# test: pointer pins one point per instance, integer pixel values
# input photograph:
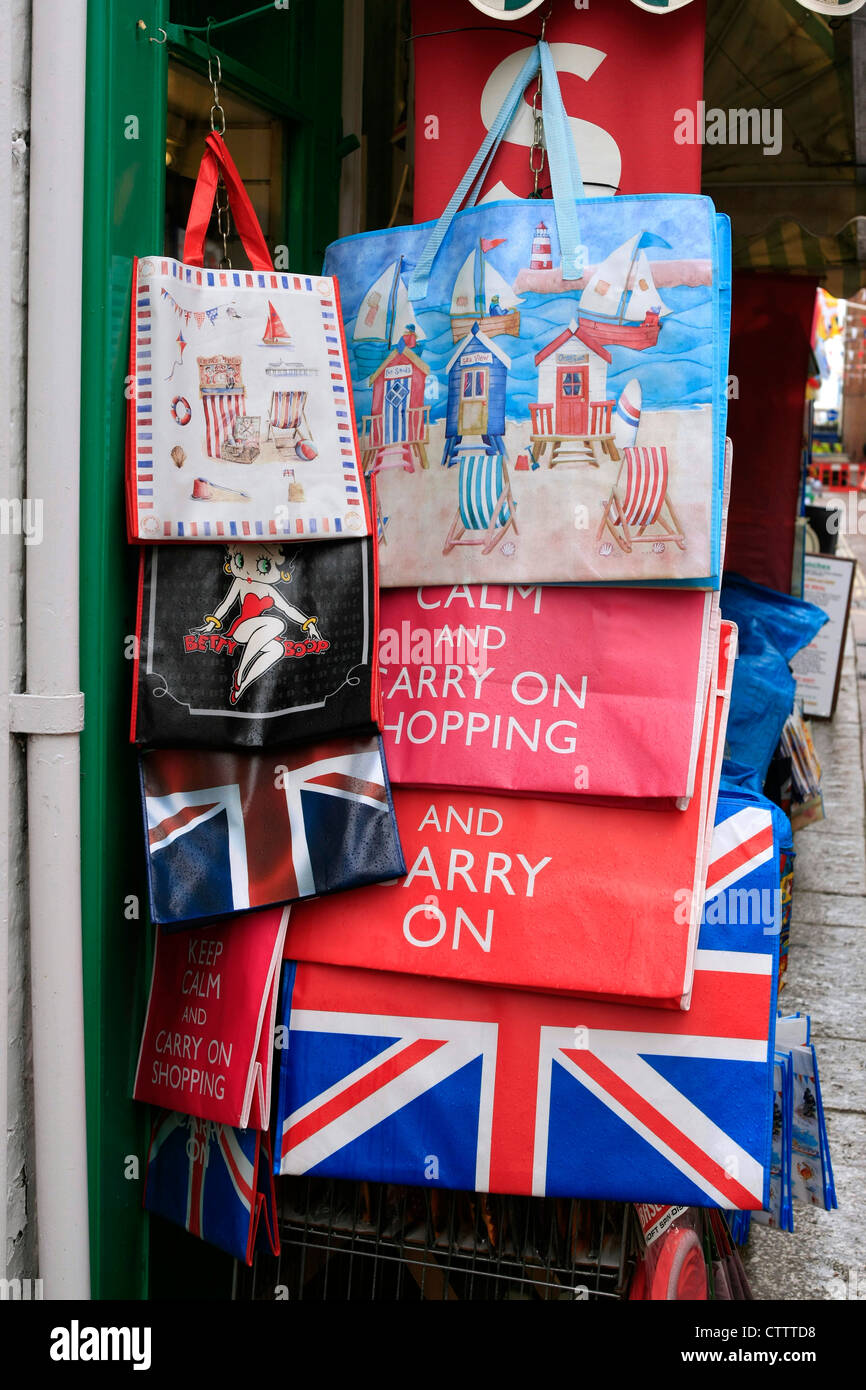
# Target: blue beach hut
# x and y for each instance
(477, 376)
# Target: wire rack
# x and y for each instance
(379, 1242)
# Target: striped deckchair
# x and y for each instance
(639, 500)
(287, 417)
(485, 503)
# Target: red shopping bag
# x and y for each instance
(553, 691)
(207, 1046)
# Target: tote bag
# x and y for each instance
(215, 1181)
(540, 385)
(240, 417)
(254, 644)
(526, 1092)
(207, 1043)
(230, 831)
(546, 689)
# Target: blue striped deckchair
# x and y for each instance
(485, 503)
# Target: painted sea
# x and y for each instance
(682, 372)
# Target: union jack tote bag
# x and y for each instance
(540, 384)
(392, 1077)
(215, 1181)
(240, 422)
(254, 643)
(225, 832)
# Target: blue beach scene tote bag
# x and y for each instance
(540, 384)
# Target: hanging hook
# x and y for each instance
(161, 41)
(544, 18)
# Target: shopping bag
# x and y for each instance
(255, 644)
(554, 691)
(240, 422)
(442, 1083)
(225, 832)
(207, 1044)
(539, 894)
(215, 1181)
(540, 385)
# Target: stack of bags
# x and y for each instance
(257, 702)
(568, 987)
(572, 991)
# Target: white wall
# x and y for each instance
(16, 1124)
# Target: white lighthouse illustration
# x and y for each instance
(541, 255)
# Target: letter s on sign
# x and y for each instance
(598, 152)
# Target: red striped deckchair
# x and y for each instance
(639, 509)
(287, 416)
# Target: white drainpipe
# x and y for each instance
(51, 712)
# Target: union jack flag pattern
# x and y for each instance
(403, 1079)
(231, 831)
(215, 1181)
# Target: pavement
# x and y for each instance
(825, 1256)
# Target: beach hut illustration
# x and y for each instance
(571, 420)
(223, 399)
(287, 419)
(638, 510)
(485, 505)
(397, 430)
(477, 375)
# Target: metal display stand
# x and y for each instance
(361, 1241)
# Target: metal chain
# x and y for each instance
(218, 126)
(536, 149)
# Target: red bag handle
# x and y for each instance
(215, 160)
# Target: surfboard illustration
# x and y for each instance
(626, 416)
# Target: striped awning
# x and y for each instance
(839, 261)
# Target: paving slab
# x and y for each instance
(825, 1256)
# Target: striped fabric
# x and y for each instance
(287, 409)
(221, 409)
(480, 486)
(789, 246)
(646, 484)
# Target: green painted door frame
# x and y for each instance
(290, 63)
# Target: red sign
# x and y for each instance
(536, 894)
(207, 1046)
(613, 59)
(557, 691)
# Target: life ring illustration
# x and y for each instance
(180, 410)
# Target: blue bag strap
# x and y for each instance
(420, 277)
(565, 177)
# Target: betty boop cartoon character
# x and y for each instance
(264, 614)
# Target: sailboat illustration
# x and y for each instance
(620, 305)
(274, 330)
(481, 295)
(384, 317)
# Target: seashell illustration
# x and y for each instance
(179, 456)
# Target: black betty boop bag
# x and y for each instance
(255, 644)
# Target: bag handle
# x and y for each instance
(565, 177)
(215, 160)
